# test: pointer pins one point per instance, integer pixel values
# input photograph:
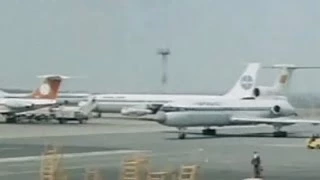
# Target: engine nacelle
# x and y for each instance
(265, 91)
(276, 109)
(141, 110)
(30, 106)
(132, 111)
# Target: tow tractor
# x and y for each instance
(313, 142)
(80, 113)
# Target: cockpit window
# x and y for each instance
(170, 109)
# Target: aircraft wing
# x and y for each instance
(17, 104)
(281, 120)
(4, 111)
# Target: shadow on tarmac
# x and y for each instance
(291, 135)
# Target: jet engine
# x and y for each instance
(265, 91)
(141, 111)
(29, 106)
(132, 111)
(275, 109)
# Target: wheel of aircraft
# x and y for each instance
(11, 119)
(279, 133)
(208, 131)
(182, 133)
(61, 121)
(82, 121)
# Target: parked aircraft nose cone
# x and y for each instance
(161, 117)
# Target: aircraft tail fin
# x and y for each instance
(246, 83)
(3, 93)
(282, 82)
(49, 88)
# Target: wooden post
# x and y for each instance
(158, 176)
(134, 168)
(189, 172)
(93, 174)
(51, 165)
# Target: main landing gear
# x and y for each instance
(207, 131)
(279, 133)
(213, 132)
(182, 133)
(11, 120)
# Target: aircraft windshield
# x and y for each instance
(170, 109)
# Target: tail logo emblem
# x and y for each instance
(246, 82)
(44, 89)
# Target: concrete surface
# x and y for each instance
(103, 143)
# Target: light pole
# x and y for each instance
(164, 53)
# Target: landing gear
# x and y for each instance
(182, 133)
(208, 131)
(279, 133)
(84, 120)
(61, 121)
(11, 120)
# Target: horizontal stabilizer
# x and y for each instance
(289, 66)
(280, 120)
(53, 76)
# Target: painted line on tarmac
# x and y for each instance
(98, 164)
(84, 160)
(286, 145)
(82, 134)
(120, 130)
(10, 173)
(11, 149)
(71, 155)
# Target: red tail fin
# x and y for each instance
(49, 88)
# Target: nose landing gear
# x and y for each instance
(182, 133)
(279, 133)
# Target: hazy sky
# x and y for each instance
(112, 43)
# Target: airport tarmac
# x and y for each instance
(103, 143)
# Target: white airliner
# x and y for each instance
(228, 112)
(62, 98)
(44, 96)
(72, 98)
(134, 104)
(280, 87)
